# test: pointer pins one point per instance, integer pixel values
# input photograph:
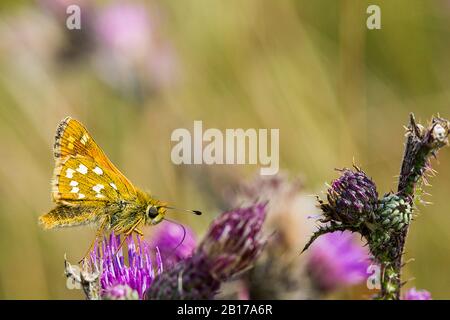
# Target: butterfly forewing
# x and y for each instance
(72, 139)
(80, 180)
(83, 174)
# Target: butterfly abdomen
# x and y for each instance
(66, 216)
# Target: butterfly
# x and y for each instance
(87, 188)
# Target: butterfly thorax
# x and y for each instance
(127, 215)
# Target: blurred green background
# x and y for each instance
(337, 91)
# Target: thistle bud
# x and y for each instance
(351, 198)
(394, 212)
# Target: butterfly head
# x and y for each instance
(155, 213)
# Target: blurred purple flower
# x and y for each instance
(337, 260)
(231, 245)
(138, 273)
(413, 294)
(168, 239)
(124, 28)
(132, 54)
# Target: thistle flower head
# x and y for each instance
(413, 294)
(231, 245)
(337, 260)
(120, 292)
(137, 273)
(234, 240)
(350, 197)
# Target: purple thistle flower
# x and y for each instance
(234, 240)
(413, 294)
(138, 273)
(231, 245)
(352, 196)
(336, 260)
(169, 239)
(120, 292)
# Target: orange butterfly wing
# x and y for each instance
(83, 173)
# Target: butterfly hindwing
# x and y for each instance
(67, 216)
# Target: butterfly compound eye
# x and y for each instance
(152, 212)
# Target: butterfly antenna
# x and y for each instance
(196, 212)
(182, 239)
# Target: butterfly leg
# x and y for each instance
(98, 234)
(130, 231)
(139, 234)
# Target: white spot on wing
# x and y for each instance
(98, 195)
(81, 196)
(82, 169)
(98, 171)
(69, 173)
(73, 183)
(98, 188)
(75, 190)
(113, 186)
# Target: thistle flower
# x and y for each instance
(351, 198)
(175, 242)
(232, 244)
(413, 294)
(138, 274)
(234, 240)
(120, 292)
(337, 260)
